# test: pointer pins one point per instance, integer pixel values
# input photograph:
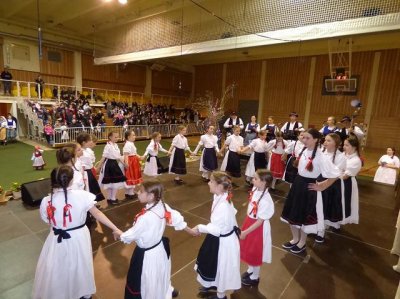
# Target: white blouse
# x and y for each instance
(180, 141)
(234, 142)
(280, 149)
(258, 145)
(294, 148)
(321, 165)
(265, 208)
(291, 126)
(388, 159)
(223, 217)
(129, 148)
(208, 141)
(353, 164)
(154, 152)
(112, 151)
(88, 158)
(149, 227)
(340, 159)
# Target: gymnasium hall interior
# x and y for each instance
(101, 66)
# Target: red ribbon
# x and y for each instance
(229, 197)
(155, 146)
(309, 163)
(254, 210)
(50, 213)
(168, 218)
(67, 213)
(250, 195)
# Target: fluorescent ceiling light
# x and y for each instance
(123, 1)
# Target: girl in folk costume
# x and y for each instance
(291, 153)
(69, 155)
(218, 261)
(350, 200)
(251, 130)
(153, 166)
(37, 158)
(149, 274)
(133, 171)
(330, 126)
(65, 266)
(271, 129)
(111, 174)
(231, 162)
(303, 206)
(258, 158)
(177, 162)
(256, 244)
(208, 160)
(332, 196)
(276, 165)
(88, 158)
(388, 167)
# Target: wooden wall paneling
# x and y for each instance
(246, 77)
(65, 68)
(208, 78)
(323, 106)
(166, 82)
(385, 122)
(286, 84)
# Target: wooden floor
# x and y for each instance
(355, 263)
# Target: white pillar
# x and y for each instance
(147, 88)
(78, 70)
(261, 93)
(309, 92)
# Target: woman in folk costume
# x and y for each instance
(251, 130)
(258, 158)
(112, 175)
(65, 266)
(332, 196)
(218, 261)
(303, 209)
(276, 165)
(255, 239)
(389, 165)
(153, 166)
(37, 158)
(177, 162)
(149, 274)
(69, 155)
(208, 160)
(291, 153)
(231, 162)
(350, 200)
(330, 126)
(271, 129)
(88, 158)
(133, 172)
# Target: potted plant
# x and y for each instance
(2, 195)
(16, 190)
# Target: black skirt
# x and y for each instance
(112, 172)
(300, 204)
(210, 162)
(332, 201)
(233, 164)
(133, 280)
(348, 187)
(207, 259)
(94, 185)
(162, 165)
(291, 171)
(260, 161)
(179, 162)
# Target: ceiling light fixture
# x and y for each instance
(123, 2)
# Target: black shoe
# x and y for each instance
(246, 274)
(288, 245)
(134, 196)
(207, 290)
(247, 281)
(86, 298)
(178, 182)
(175, 293)
(319, 239)
(128, 197)
(205, 179)
(297, 249)
(216, 297)
(113, 202)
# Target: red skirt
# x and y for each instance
(133, 173)
(251, 248)
(277, 167)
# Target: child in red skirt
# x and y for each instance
(255, 239)
(276, 165)
(133, 171)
